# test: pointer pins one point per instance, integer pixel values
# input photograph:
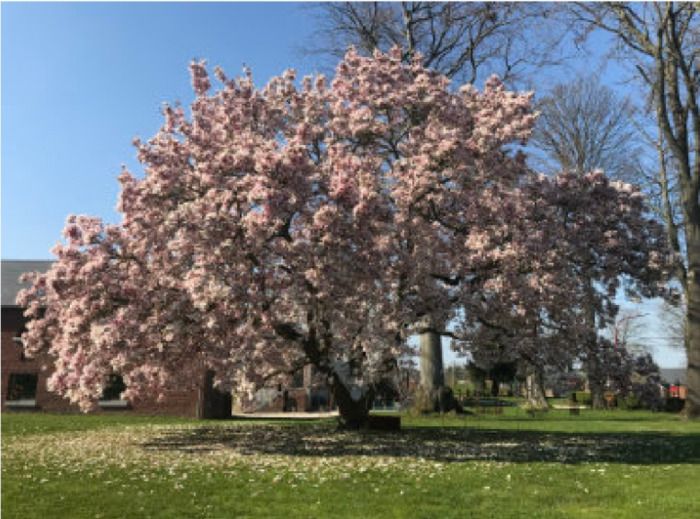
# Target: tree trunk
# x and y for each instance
(495, 386)
(534, 390)
(597, 394)
(593, 369)
(672, 112)
(432, 376)
(354, 412)
(667, 207)
(689, 278)
(692, 215)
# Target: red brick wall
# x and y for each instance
(176, 403)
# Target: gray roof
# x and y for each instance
(12, 270)
(673, 375)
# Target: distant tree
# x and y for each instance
(583, 126)
(645, 383)
(540, 308)
(675, 322)
(476, 376)
(625, 332)
(635, 378)
(502, 373)
(607, 370)
(497, 362)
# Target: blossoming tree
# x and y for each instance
(316, 223)
(538, 303)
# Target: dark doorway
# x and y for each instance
(215, 403)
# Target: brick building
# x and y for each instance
(24, 379)
(675, 382)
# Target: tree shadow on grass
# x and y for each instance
(444, 444)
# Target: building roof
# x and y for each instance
(12, 270)
(673, 375)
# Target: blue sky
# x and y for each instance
(80, 81)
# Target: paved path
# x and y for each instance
(282, 416)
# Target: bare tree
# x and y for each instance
(662, 40)
(463, 40)
(626, 333)
(584, 126)
(674, 319)
(658, 176)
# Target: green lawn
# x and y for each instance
(599, 464)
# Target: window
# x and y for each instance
(298, 378)
(18, 341)
(111, 396)
(21, 390)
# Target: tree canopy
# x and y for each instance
(325, 222)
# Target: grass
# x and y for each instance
(599, 464)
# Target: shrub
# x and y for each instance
(629, 402)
